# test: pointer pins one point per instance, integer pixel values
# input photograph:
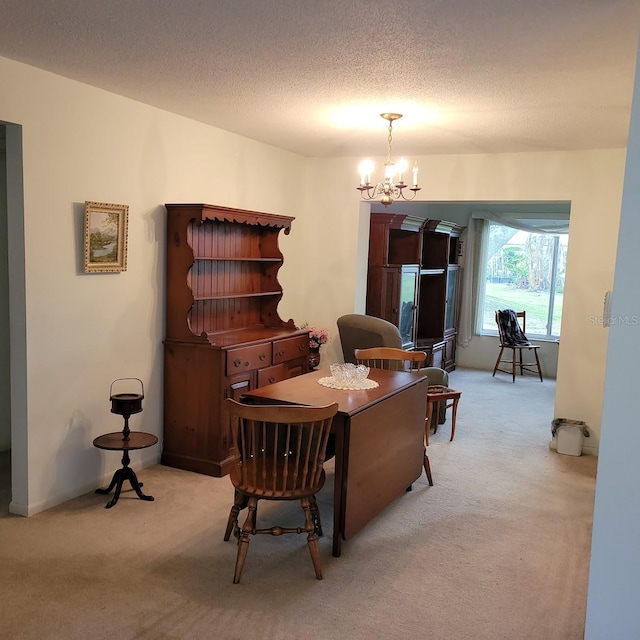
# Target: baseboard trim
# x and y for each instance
(147, 459)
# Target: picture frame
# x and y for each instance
(105, 237)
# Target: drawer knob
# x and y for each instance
(271, 379)
(300, 347)
(280, 353)
(237, 362)
(262, 356)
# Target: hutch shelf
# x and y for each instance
(224, 336)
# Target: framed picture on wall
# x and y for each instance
(105, 237)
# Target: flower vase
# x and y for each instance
(314, 357)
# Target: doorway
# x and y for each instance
(5, 381)
(481, 351)
(13, 351)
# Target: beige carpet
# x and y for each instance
(497, 549)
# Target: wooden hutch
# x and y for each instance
(224, 336)
(413, 281)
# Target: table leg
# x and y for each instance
(125, 473)
(427, 422)
(453, 418)
(339, 488)
(435, 416)
(427, 467)
(116, 481)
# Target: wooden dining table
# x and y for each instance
(379, 439)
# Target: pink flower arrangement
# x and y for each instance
(317, 336)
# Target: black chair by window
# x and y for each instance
(513, 338)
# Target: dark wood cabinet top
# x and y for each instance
(227, 214)
(222, 275)
(246, 336)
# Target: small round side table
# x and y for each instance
(117, 441)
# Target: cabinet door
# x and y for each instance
(383, 293)
(407, 305)
(431, 306)
(239, 384)
(450, 353)
(297, 367)
(438, 355)
(390, 293)
(451, 301)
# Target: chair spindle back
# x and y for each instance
(279, 450)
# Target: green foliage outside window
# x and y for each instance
(521, 271)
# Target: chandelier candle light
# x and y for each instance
(388, 190)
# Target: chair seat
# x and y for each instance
(523, 345)
(281, 483)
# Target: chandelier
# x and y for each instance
(388, 189)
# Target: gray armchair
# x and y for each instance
(358, 331)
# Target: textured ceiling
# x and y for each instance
(470, 76)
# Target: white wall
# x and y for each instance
(5, 401)
(590, 180)
(81, 143)
(614, 579)
(85, 330)
(325, 268)
(17, 312)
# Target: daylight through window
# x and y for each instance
(524, 271)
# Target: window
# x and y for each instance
(524, 271)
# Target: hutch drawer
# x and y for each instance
(290, 348)
(246, 358)
(269, 375)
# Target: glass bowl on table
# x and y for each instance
(349, 375)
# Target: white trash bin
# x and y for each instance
(570, 435)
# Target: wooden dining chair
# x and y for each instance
(390, 358)
(278, 451)
(394, 359)
(512, 327)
